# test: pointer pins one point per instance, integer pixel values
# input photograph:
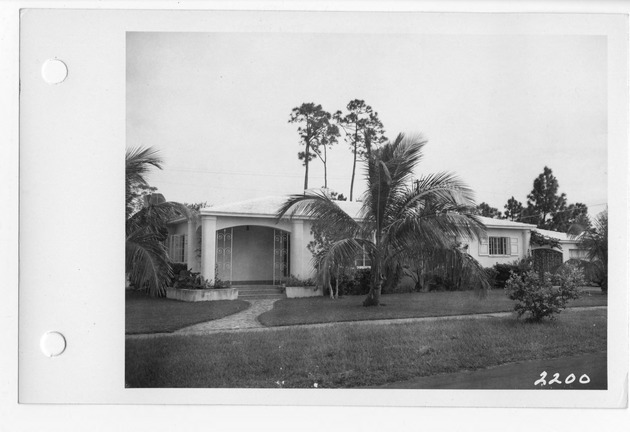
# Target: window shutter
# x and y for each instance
(185, 254)
(483, 246)
(514, 246)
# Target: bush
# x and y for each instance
(177, 268)
(186, 279)
(294, 281)
(492, 276)
(356, 283)
(544, 297)
(503, 271)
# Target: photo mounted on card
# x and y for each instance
(412, 205)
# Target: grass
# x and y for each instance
(144, 314)
(412, 305)
(357, 354)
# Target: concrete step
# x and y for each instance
(259, 291)
(261, 297)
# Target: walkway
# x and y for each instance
(246, 321)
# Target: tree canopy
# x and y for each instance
(316, 134)
(398, 223)
(364, 132)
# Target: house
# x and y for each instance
(247, 245)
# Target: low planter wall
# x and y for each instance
(301, 291)
(194, 295)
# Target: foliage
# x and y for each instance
(364, 131)
(356, 282)
(447, 269)
(485, 210)
(538, 239)
(513, 209)
(570, 217)
(146, 258)
(138, 162)
(197, 206)
(594, 241)
(492, 275)
(538, 297)
(177, 268)
(548, 210)
(316, 134)
(187, 279)
(294, 281)
(337, 196)
(543, 201)
(502, 272)
(397, 223)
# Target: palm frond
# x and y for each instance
(342, 254)
(318, 206)
(146, 262)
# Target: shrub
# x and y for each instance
(503, 271)
(186, 279)
(542, 298)
(355, 283)
(177, 268)
(294, 281)
(492, 276)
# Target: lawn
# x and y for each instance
(413, 305)
(355, 354)
(144, 314)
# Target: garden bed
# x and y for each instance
(199, 295)
(304, 291)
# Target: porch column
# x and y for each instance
(192, 246)
(208, 246)
(297, 248)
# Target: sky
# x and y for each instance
(495, 109)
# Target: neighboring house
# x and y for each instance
(248, 245)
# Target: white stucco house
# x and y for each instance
(243, 243)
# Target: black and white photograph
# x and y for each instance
(325, 210)
(346, 216)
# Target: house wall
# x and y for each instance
(519, 245)
(178, 228)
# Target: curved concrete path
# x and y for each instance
(247, 320)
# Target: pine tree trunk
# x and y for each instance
(306, 165)
(325, 169)
(354, 167)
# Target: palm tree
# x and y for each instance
(399, 223)
(594, 240)
(147, 214)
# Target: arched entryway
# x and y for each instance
(252, 254)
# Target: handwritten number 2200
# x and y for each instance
(584, 379)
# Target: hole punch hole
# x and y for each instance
(52, 344)
(54, 71)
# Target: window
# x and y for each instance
(578, 254)
(363, 259)
(498, 246)
(177, 246)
